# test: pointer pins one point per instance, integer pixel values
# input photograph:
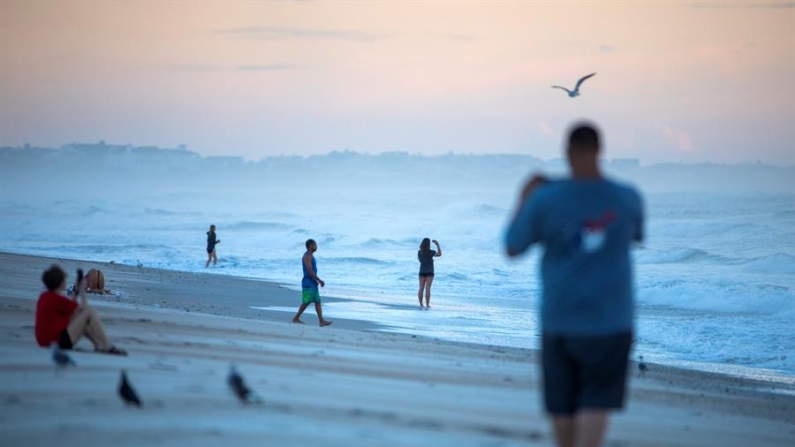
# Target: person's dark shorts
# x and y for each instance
(425, 275)
(584, 372)
(210, 250)
(64, 340)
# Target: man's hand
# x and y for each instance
(320, 281)
(535, 181)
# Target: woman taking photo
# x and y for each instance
(425, 255)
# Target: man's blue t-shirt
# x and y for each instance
(586, 228)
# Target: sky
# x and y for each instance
(676, 81)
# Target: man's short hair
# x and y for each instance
(309, 242)
(53, 277)
(584, 136)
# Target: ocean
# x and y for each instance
(715, 278)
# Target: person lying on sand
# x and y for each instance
(62, 321)
(95, 283)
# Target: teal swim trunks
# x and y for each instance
(310, 295)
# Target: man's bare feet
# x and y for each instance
(297, 321)
(325, 323)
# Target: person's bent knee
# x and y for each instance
(88, 311)
(82, 310)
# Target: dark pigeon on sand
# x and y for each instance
(642, 367)
(239, 388)
(60, 358)
(127, 393)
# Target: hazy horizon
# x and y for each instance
(556, 159)
(699, 82)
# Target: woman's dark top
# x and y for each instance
(426, 261)
(211, 241)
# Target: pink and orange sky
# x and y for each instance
(677, 81)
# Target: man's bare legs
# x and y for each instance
(422, 287)
(591, 426)
(318, 309)
(85, 321)
(564, 430)
(428, 282)
(301, 309)
(586, 429)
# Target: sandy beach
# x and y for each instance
(344, 385)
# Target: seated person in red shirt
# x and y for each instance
(63, 321)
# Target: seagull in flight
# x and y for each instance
(576, 92)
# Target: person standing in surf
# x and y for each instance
(425, 255)
(309, 285)
(212, 241)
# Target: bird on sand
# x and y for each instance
(239, 388)
(576, 92)
(126, 391)
(60, 358)
(642, 367)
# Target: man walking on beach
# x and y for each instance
(586, 224)
(309, 285)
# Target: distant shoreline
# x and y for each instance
(180, 287)
(349, 384)
(175, 289)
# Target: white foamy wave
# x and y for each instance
(254, 226)
(718, 339)
(776, 263)
(383, 243)
(93, 210)
(686, 230)
(17, 209)
(360, 261)
(163, 212)
(786, 214)
(458, 210)
(676, 255)
(721, 295)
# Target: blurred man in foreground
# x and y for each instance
(586, 224)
